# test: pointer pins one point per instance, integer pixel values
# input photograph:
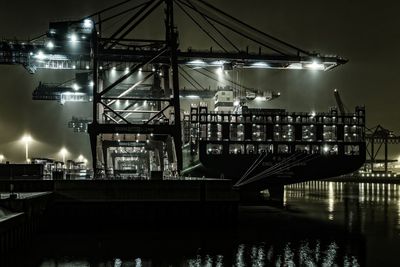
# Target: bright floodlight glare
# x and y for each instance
(50, 45)
(316, 66)
(236, 103)
(87, 23)
(75, 87)
(40, 55)
(63, 151)
(220, 70)
(313, 113)
(73, 38)
(26, 138)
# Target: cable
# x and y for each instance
(192, 78)
(212, 25)
(201, 27)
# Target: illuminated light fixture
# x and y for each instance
(236, 103)
(313, 113)
(326, 149)
(81, 158)
(260, 64)
(153, 69)
(87, 23)
(87, 67)
(295, 66)
(196, 62)
(50, 45)
(31, 53)
(193, 96)
(1, 158)
(218, 63)
(74, 67)
(259, 98)
(114, 68)
(73, 38)
(40, 55)
(91, 84)
(140, 70)
(75, 87)
(83, 37)
(315, 66)
(101, 67)
(145, 103)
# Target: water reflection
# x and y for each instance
(335, 224)
(289, 256)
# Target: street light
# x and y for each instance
(1, 158)
(63, 153)
(27, 139)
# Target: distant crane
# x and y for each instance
(339, 102)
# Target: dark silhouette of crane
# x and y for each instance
(339, 102)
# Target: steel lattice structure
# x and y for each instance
(150, 70)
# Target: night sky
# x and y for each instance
(365, 32)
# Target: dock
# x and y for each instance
(95, 205)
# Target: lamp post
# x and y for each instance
(27, 139)
(63, 153)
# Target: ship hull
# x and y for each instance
(277, 169)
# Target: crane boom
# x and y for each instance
(339, 102)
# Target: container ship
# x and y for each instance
(272, 146)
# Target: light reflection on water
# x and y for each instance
(348, 201)
(304, 254)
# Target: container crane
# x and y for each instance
(82, 45)
(339, 102)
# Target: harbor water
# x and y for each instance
(321, 224)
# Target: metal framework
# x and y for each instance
(147, 72)
(379, 136)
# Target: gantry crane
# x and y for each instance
(147, 72)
